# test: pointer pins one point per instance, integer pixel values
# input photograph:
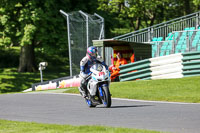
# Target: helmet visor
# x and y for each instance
(94, 54)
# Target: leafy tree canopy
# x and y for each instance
(137, 14)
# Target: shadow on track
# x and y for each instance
(128, 106)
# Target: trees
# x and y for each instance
(19, 28)
(38, 24)
(31, 24)
(143, 13)
(138, 13)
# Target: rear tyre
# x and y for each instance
(106, 99)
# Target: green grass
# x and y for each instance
(32, 127)
(13, 81)
(175, 90)
(179, 90)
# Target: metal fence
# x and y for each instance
(82, 29)
(177, 42)
(163, 29)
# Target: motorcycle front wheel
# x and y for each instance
(106, 98)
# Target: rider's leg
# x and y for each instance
(83, 87)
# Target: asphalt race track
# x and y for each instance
(72, 109)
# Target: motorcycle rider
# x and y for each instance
(85, 64)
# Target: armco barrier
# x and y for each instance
(135, 66)
(139, 74)
(165, 67)
(191, 64)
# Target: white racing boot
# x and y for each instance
(82, 92)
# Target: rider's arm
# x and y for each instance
(83, 65)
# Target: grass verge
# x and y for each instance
(32, 127)
(175, 90)
(13, 81)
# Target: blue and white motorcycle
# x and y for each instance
(98, 87)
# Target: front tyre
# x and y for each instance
(106, 99)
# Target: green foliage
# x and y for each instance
(50, 32)
(196, 3)
(29, 31)
(32, 22)
(132, 11)
(139, 14)
(36, 23)
(39, 22)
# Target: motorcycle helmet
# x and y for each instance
(92, 52)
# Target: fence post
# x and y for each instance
(69, 40)
(87, 27)
(151, 34)
(101, 36)
(188, 43)
(197, 21)
(158, 49)
(173, 44)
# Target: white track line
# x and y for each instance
(146, 101)
(122, 99)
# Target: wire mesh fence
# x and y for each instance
(82, 29)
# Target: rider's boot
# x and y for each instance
(82, 91)
(95, 100)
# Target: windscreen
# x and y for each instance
(97, 67)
